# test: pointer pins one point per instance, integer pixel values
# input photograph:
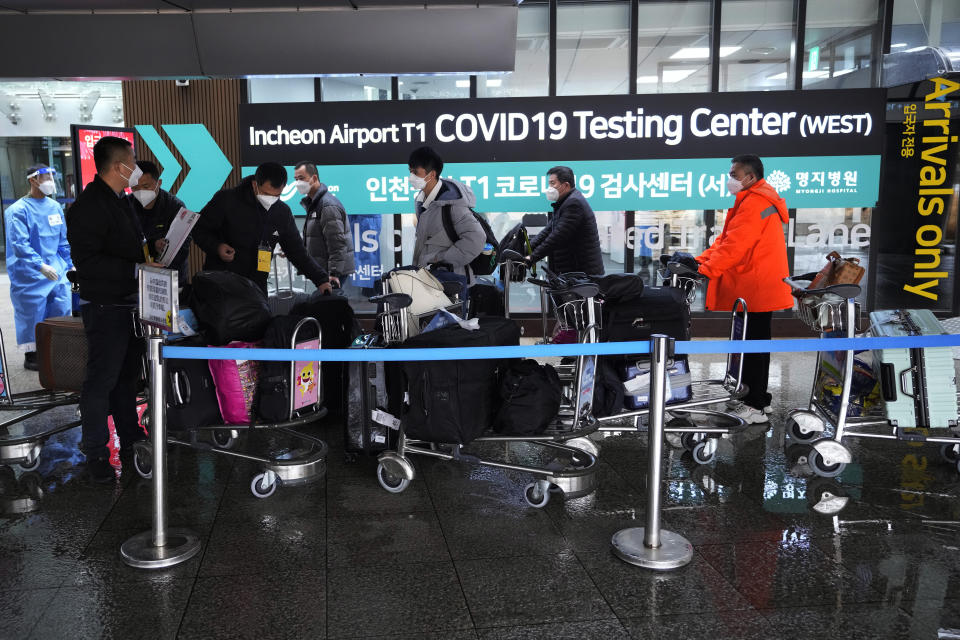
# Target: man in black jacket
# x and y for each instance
(239, 228)
(570, 240)
(156, 208)
(107, 245)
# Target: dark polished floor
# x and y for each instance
(459, 554)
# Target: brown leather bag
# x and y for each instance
(838, 271)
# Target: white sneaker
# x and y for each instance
(749, 414)
(733, 405)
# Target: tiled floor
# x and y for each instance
(459, 554)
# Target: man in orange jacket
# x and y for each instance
(749, 261)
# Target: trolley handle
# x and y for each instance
(683, 271)
(845, 291)
(509, 255)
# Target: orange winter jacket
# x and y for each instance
(749, 259)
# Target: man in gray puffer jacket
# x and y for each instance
(434, 244)
(326, 231)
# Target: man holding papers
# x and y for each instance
(156, 209)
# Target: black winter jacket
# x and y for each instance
(234, 216)
(570, 240)
(106, 244)
(327, 233)
(155, 223)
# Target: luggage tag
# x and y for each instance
(264, 256)
(382, 417)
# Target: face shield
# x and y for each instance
(46, 180)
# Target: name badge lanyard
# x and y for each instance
(264, 251)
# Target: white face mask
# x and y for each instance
(734, 186)
(145, 196)
(47, 188)
(303, 187)
(135, 174)
(267, 201)
(552, 194)
(417, 182)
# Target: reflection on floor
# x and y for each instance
(460, 555)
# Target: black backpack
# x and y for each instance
(485, 263)
(273, 386)
(530, 395)
(229, 307)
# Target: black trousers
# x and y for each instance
(114, 355)
(756, 366)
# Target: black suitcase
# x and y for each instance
(191, 394)
(455, 401)
(338, 328)
(273, 384)
(657, 310)
(367, 420)
(486, 300)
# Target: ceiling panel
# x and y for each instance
(84, 5)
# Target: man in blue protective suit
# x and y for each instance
(38, 258)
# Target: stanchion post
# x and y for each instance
(652, 547)
(160, 547)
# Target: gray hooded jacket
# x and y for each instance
(433, 244)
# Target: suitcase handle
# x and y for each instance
(903, 383)
(180, 391)
(888, 382)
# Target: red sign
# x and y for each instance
(83, 140)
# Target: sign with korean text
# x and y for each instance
(158, 297)
(84, 139)
(648, 152)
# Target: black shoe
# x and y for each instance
(101, 471)
(30, 361)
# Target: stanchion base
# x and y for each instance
(140, 552)
(674, 550)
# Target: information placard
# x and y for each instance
(158, 297)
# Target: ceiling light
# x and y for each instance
(806, 74)
(899, 45)
(647, 79)
(463, 84)
(694, 53)
(676, 75)
(494, 82)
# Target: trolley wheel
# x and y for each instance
(260, 488)
(389, 481)
(143, 461)
(820, 466)
(690, 440)
(795, 432)
(535, 495)
(702, 454)
(224, 438)
(31, 464)
(948, 452)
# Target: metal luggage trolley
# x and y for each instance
(833, 311)
(699, 440)
(292, 466)
(573, 477)
(22, 439)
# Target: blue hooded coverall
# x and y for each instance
(36, 234)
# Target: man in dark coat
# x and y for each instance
(156, 209)
(570, 240)
(108, 246)
(240, 227)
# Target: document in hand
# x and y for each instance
(179, 230)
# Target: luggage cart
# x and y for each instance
(572, 472)
(700, 440)
(832, 312)
(22, 439)
(291, 466)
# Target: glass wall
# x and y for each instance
(838, 43)
(427, 87)
(531, 74)
(593, 54)
(356, 88)
(280, 90)
(673, 47)
(922, 23)
(755, 41)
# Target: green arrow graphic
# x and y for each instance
(171, 168)
(209, 168)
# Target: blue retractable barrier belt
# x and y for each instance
(557, 350)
